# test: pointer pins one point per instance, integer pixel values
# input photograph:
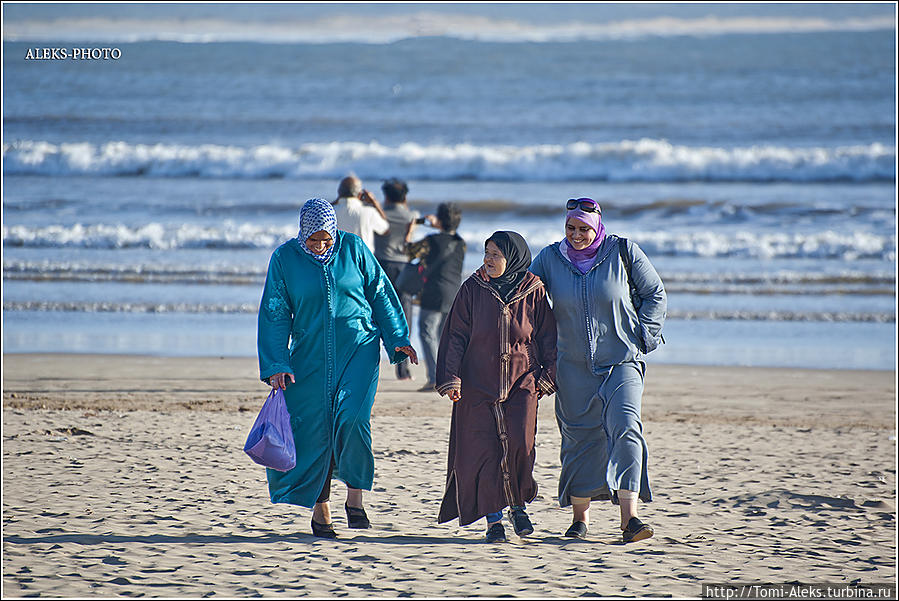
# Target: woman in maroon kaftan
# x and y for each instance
(497, 357)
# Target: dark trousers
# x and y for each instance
(393, 269)
(326, 489)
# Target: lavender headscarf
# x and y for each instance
(583, 259)
(317, 215)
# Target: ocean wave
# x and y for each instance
(155, 236)
(784, 278)
(780, 282)
(66, 271)
(847, 245)
(827, 316)
(383, 29)
(252, 308)
(114, 307)
(645, 160)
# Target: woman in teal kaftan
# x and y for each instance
(325, 304)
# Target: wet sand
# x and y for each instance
(125, 476)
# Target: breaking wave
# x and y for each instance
(645, 160)
(384, 29)
(253, 308)
(232, 235)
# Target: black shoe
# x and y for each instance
(636, 530)
(323, 530)
(520, 522)
(356, 518)
(496, 533)
(577, 530)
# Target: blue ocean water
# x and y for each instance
(753, 160)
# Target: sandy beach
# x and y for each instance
(125, 476)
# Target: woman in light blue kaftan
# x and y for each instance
(325, 304)
(603, 336)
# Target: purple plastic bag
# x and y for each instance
(270, 442)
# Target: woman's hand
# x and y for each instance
(413, 356)
(279, 380)
(454, 395)
(482, 273)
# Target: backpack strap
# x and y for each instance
(626, 259)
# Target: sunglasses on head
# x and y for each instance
(588, 205)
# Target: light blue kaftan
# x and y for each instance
(321, 322)
(602, 340)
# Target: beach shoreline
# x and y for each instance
(702, 393)
(124, 475)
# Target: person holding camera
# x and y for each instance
(359, 212)
(442, 255)
(390, 248)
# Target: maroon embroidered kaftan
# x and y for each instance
(497, 354)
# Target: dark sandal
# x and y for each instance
(323, 530)
(636, 530)
(577, 530)
(356, 518)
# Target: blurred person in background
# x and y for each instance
(390, 248)
(442, 255)
(359, 212)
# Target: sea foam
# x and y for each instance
(749, 243)
(251, 308)
(384, 29)
(644, 160)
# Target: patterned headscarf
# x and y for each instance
(583, 259)
(317, 215)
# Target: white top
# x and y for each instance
(358, 218)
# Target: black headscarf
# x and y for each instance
(518, 259)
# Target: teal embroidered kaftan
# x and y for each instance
(321, 322)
